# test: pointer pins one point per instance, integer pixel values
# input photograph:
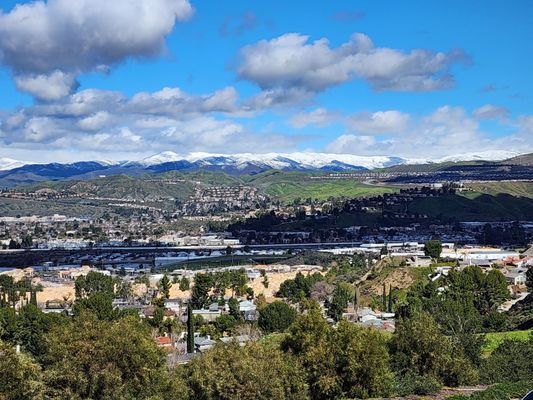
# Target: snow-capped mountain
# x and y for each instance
(299, 161)
(13, 172)
(491, 155)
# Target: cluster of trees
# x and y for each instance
(12, 292)
(211, 287)
(467, 303)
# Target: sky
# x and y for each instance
(126, 79)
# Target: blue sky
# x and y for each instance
(87, 79)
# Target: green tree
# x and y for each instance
(252, 372)
(101, 304)
(346, 362)
(95, 359)
(200, 291)
(165, 285)
(276, 317)
(418, 347)
(433, 248)
(190, 329)
(94, 282)
(361, 361)
(184, 284)
(342, 294)
(20, 376)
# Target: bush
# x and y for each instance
(501, 391)
(416, 384)
(511, 361)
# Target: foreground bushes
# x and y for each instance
(500, 391)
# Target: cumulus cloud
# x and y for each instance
(489, 111)
(389, 121)
(291, 61)
(446, 131)
(47, 87)
(47, 44)
(318, 117)
(110, 122)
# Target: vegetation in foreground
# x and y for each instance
(104, 353)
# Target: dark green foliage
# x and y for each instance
(500, 391)
(200, 290)
(418, 347)
(433, 248)
(184, 284)
(190, 330)
(94, 359)
(94, 282)
(342, 294)
(349, 361)
(276, 317)
(165, 285)
(411, 383)
(101, 304)
(300, 287)
(510, 362)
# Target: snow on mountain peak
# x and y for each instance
(9, 163)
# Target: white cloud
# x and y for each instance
(47, 87)
(389, 121)
(40, 40)
(110, 122)
(318, 117)
(446, 131)
(489, 111)
(291, 61)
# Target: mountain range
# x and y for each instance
(13, 172)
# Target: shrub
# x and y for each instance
(416, 384)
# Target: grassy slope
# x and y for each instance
(287, 186)
(519, 189)
(494, 339)
(475, 207)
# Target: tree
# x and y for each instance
(101, 304)
(229, 371)
(95, 359)
(190, 330)
(20, 376)
(346, 362)
(94, 282)
(200, 290)
(184, 284)
(529, 278)
(361, 361)
(342, 294)
(433, 248)
(165, 285)
(276, 317)
(418, 347)
(234, 308)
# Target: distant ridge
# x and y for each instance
(15, 172)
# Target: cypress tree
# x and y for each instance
(390, 299)
(384, 305)
(33, 297)
(190, 330)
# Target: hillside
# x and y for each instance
(475, 207)
(524, 159)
